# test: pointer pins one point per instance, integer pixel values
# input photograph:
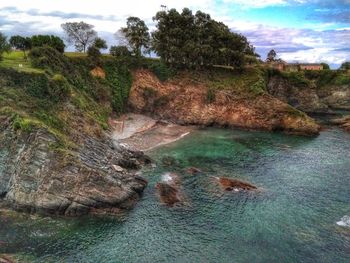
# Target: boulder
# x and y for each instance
(169, 189)
(230, 184)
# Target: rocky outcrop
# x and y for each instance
(310, 98)
(343, 122)
(186, 102)
(37, 177)
(169, 189)
(230, 184)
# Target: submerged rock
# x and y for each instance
(230, 184)
(169, 189)
(193, 170)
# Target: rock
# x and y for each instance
(169, 161)
(310, 98)
(168, 194)
(343, 122)
(117, 168)
(6, 259)
(230, 184)
(193, 170)
(187, 104)
(36, 179)
(169, 189)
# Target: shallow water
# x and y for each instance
(305, 191)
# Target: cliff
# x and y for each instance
(57, 155)
(221, 98)
(319, 91)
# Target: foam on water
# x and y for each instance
(344, 221)
(167, 178)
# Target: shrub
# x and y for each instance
(162, 71)
(119, 79)
(22, 124)
(58, 88)
(50, 59)
(119, 51)
(210, 95)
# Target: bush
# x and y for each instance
(58, 88)
(50, 59)
(119, 51)
(297, 79)
(22, 124)
(210, 95)
(119, 79)
(161, 70)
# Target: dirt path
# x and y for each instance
(143, 133)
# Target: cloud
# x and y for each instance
(312, 43)
(303, 45)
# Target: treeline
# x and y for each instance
(188, 40)
(182, 40)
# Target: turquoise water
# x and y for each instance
(305, 191)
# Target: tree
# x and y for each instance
(345, 65)
(100, 43)
(325, 66)
(194, 41)
(94, 50)
(119, 51)
(48, 40)
(137, 34)
(4, 45)
(21, 43)
(80, 34)
(271, 56)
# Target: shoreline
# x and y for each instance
(142, 133)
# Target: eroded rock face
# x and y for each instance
(310, 98)
(38, 179)
(230, 184)
(185, 102)
(343, 122)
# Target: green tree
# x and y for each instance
(21, 43)
(193, 41)
(119, 51)
(325, 66)
(48, 40)
(4, 45)
(94, 50)
(137, 34)
(271, 56)
(81, 34)
(345, 65)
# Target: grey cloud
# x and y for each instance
(63, 15)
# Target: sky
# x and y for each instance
(298, 30)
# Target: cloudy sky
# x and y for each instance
(299, 30)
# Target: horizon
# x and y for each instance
(305, 31)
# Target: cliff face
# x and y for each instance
(187, 101)
(311, 97)
(36, 178)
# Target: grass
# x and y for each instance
(16, 60)
(250, 82)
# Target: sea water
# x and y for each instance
(304, 192)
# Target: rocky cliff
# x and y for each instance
(310, 95)
(226, 100)
(97, 178)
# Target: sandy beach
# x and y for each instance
(140, 132)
